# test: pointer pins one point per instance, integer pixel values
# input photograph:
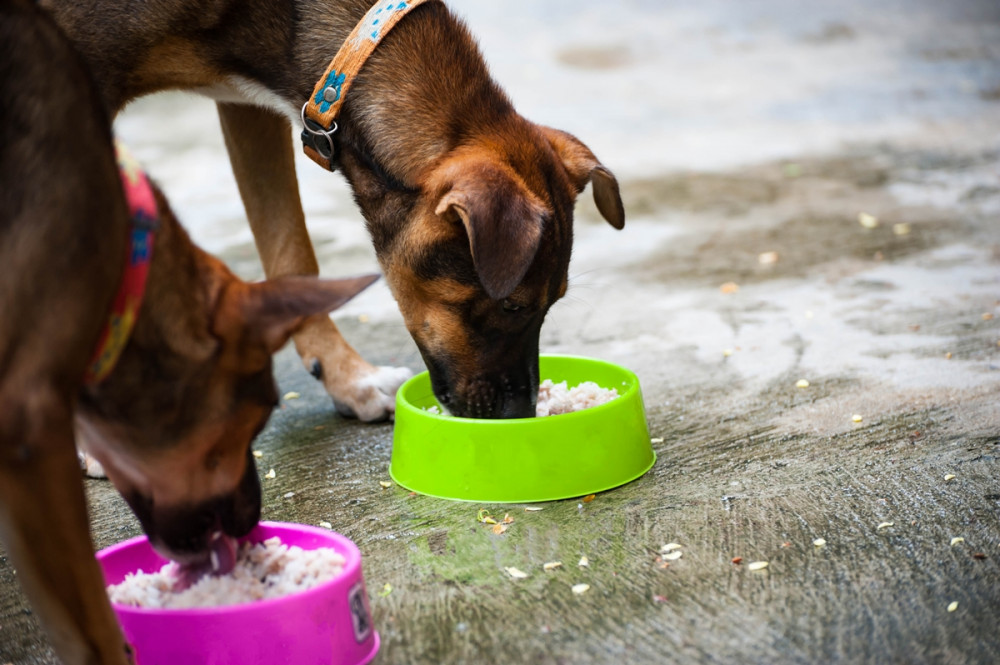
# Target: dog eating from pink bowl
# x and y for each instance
(327, 624)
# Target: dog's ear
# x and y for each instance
(583, 167)
(501, 217)
(270, 311)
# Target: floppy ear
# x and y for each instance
(270, 311)
(502, 218)
(583, 167)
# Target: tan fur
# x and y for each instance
(417, 150)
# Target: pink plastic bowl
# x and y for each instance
(327, 625)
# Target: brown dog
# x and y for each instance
(469, 205)
(173, 421)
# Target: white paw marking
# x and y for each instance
(90, 466)
(380, 389)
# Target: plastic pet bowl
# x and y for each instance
(525, 459)
(329, 624)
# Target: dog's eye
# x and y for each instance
(511, 306)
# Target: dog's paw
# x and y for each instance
(368, 393)
(90, 466)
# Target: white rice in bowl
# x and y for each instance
(556, 398)
(265, 570)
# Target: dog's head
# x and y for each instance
(173, 423)
(484, 258)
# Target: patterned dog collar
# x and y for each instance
(143, 221)
(319, 113)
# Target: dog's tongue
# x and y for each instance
(223, 554)
(221, 560)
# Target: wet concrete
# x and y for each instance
(743, 269)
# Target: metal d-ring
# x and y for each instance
(313, 128)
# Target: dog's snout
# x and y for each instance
(518, 405)
(185, 532)
(490, 399)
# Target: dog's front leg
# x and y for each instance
(43, 526)
(261, 152)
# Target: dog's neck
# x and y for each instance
(169, 331)
(428, 60)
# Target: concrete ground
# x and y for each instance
(748, 138)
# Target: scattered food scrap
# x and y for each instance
(499, 528)
(952, 606)
(362, 318)
(386, 590)
(670, 547)
(979, 555)
(258, 454)
(736, 560)
(516, 573)
(857, 418)
(950, 477)
(584, 562)
(507, 519)
(658, 439)
(727, 352)
(767, 258)
(884, 525)
(581, 588)
(326, 525)
(271, 474)
(801, 383)
(868, 221)
(947, 356)
(757, 565)
(957, 540)
(589, 498)
(659, 599)
(729, 288)
(291, 394)
(988, 316)
(819, 542)
(901, 229)
(673, 556)
(552, 565)
(385, 484)
(289, 495)
(533, 509)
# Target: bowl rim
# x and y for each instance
(344, 546)
(631, 379)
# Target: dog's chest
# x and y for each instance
(240, 90)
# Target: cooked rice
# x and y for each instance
(556, 398)
(265, 570)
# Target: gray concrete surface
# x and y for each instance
(738, 129)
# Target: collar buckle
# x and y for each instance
(317, 140)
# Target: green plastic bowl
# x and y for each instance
(524, 460)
